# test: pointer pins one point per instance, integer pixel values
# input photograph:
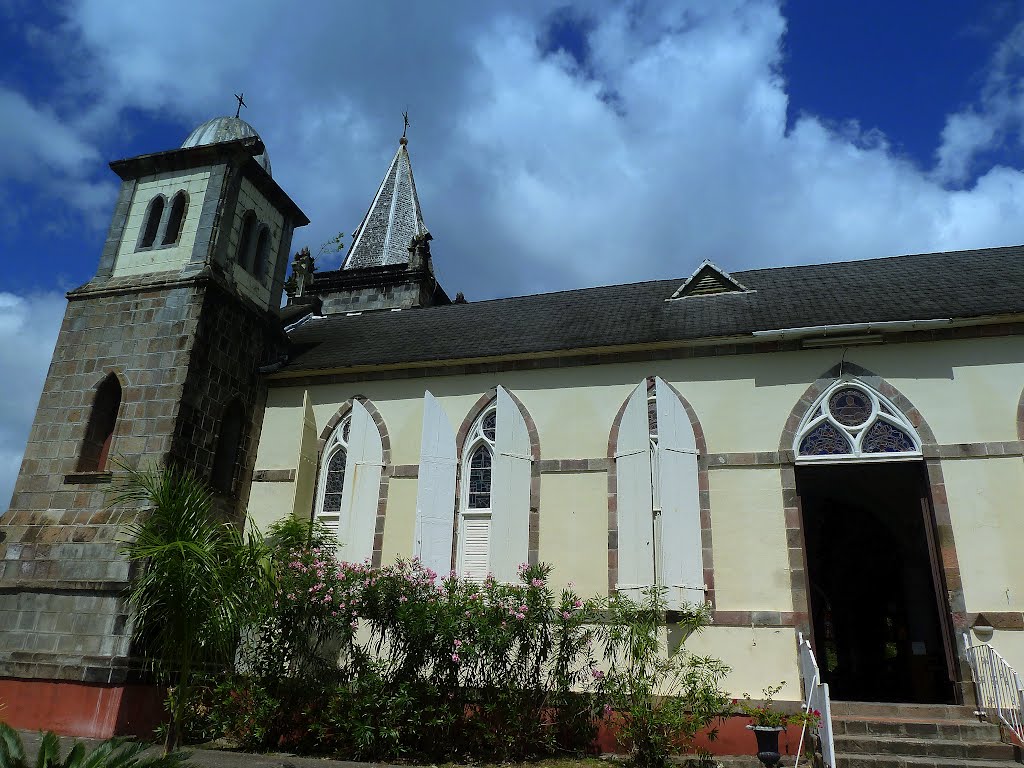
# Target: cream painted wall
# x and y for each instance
(966, 390)
(270, 502)
(748, 532)
(759, 657)
(985, 499)
(574, 530)
(157, 259)
(400, 520)
(249, 198)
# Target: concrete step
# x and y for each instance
(905, 761)
(937, 748)
(972, 730)
(886, 710)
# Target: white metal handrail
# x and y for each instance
(997, 686)
(815, 698)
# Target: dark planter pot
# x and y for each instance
(767, 743)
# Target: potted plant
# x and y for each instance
(767, 723)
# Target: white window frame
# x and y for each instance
(336, 442)
(475, 440)
(882, 409)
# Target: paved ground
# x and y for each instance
(216, 758)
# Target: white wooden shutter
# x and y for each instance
(634, 497)
(475, 538)
(435, 491)
(305, 473)
(510, 492)
(362, 486)
(682, 563)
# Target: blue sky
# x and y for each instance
(555, 145)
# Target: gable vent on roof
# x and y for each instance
(707, 280)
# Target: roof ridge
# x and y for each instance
(881, 258)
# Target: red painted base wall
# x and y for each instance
(81, 709)
(733, 738)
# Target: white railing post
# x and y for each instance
(997, 686)
(816, 697)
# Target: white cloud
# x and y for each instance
(667, 145)
(28, 331)
(997, 118)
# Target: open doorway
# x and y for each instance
(874, 582)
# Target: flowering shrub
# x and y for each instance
(658, 694)
(402, 663)
(399, 661)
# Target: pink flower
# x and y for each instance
(520, 616)
(597, 674)
(455, 658)
(577, 603)
(458, 643)
(607, 709)
(403, 599)
(566, 615)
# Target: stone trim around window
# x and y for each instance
(948, 559)
(460, 441)
(704, 493)
(385, 475)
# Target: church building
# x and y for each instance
(832, 449)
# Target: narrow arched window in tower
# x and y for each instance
(179, 203)
(100, 430)
(247, 241)
(152, 223)
(259, 266)
(229, 443)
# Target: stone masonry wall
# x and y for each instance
(232, 341)
(180, 350)
(61, 577)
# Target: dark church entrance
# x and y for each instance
(875, 583)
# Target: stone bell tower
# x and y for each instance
(157, 361)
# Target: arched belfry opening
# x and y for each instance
(99, 432)
(870, 538)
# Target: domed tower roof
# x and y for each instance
(225, 129)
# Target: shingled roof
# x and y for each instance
(956, 285)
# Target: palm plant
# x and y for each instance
(198, 578)
(112, 753)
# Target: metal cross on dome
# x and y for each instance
(405, 119)
(241, 102)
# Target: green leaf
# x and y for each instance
(49, 751)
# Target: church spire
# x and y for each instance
(393, 220)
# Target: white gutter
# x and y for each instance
(844, 329)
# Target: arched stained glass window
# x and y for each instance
(850, 420)
(332, 482)
(480, 479)
(475, 516)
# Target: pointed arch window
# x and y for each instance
(261, 258)
(851, 421)
(247, 241)
(349, 487)
(179, 204)
(658, 496)
(99, 432)
(151, 225)
(333, 481)
(229, 444)
(475, 516)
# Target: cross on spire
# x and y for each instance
(405, 120)
(241, 103)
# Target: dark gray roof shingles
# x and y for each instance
(962, 284)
